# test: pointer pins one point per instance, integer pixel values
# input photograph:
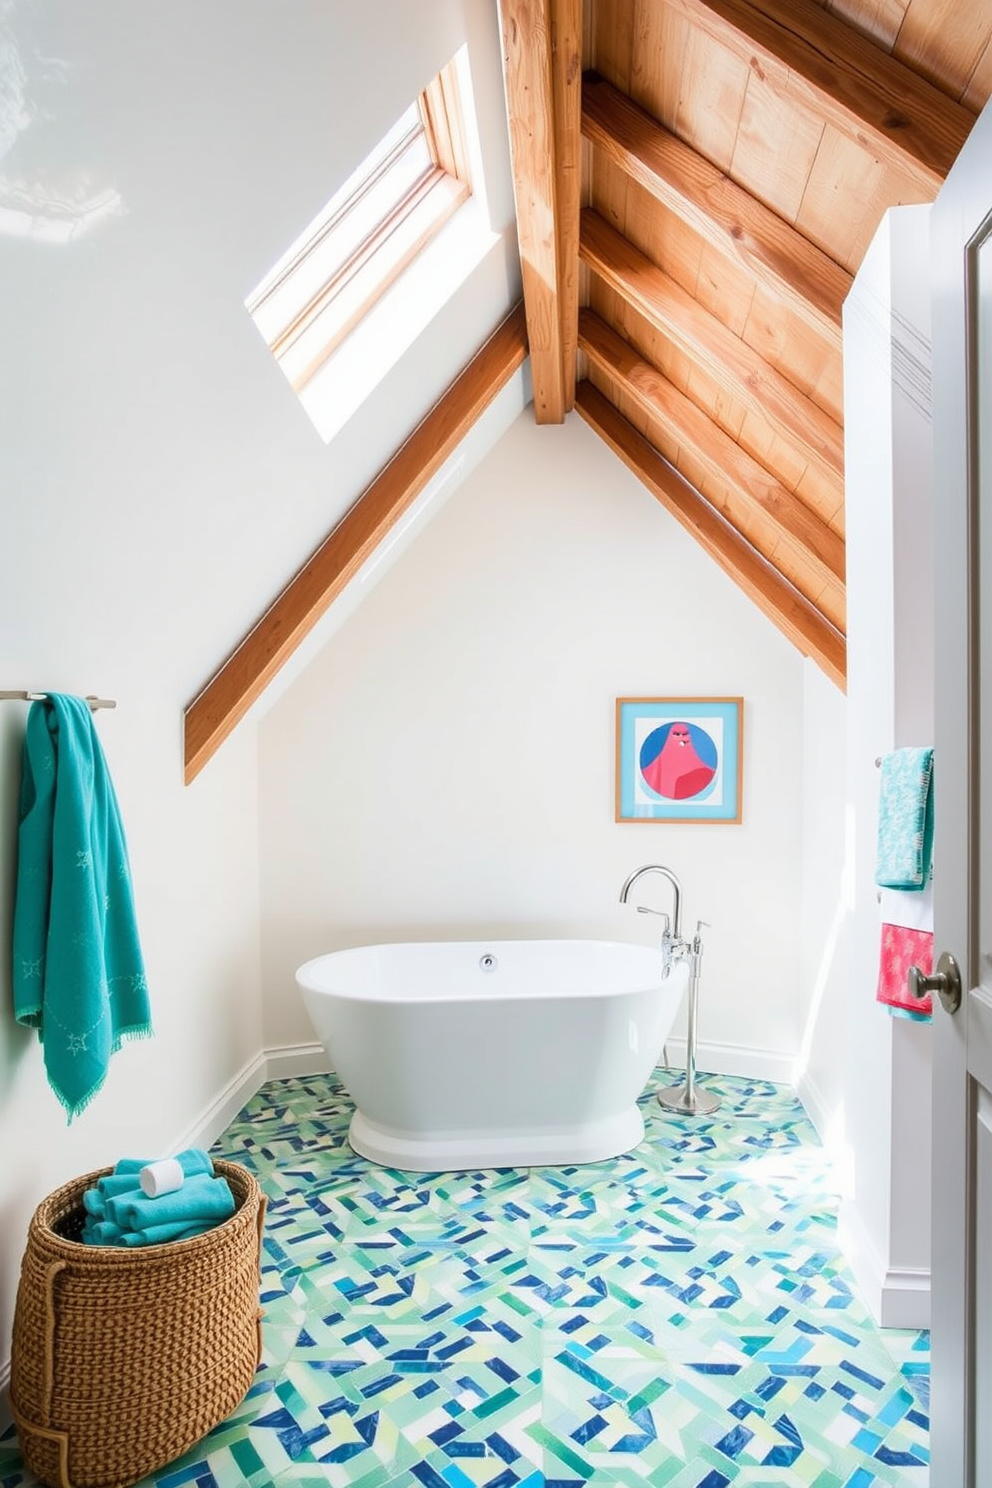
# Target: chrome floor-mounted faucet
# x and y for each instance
(685, 1099)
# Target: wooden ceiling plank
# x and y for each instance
(879, 19)
(976, 95)
(820, 549)
(728, 218)
(944, 40)
(242, 678)
(727, 359)
(566, 66)
(530, 99)
(810, 56)
(612, 39)
(784, 606)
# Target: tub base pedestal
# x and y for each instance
(460, 1152)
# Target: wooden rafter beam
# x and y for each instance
(785, 606)
(819, 548)
(728, 360)
(542, 70)
(566, 71)
(232, 690)
(725, 216)
(806, 54)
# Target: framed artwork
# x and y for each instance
(679, 759)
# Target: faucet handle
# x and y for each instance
(701, 923)
(660, 913)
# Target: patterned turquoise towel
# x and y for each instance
(78, 972)
(905, 819)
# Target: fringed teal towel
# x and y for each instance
(78, 972)
(905, 819)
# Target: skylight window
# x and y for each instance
(379, 221)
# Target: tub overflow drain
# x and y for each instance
(488, 962)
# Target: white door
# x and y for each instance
(961, 1420)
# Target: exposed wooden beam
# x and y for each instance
(566, 65)
(806, 54)
(733, 222)
(232, 690)
(785, 606)
(728, 360)
(541, 60)
(820, 550)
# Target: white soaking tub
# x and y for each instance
(482, 1054)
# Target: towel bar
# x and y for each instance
(33, 697)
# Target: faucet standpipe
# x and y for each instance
(687, 1099)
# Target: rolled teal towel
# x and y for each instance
(130, 1165)
(194, 1160)
(94, 1203)
(112, 1185)
(101, 1232)
(200, 1199)
(161, 1234)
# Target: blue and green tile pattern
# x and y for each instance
(678, 1317)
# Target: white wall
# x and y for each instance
(825, 913)
(885, 1224)
(445, 767)
(160, 481)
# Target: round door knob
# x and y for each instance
(946, 982)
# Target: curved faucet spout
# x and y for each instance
(676, 891)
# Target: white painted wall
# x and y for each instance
(160, 481)
(885, 1224)
(445, 766)
(825, 912)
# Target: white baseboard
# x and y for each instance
(221, 1112)
(896, 1297)
(735, 1059)
(816, 1106)
(289, 1061)
(279, 1063)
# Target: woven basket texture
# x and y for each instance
(122, 1359)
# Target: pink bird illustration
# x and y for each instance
(677, 772)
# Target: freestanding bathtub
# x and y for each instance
(483, 1054)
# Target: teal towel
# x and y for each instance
(194, 1160)
(94, 1203)
(112, 1185)
(905, 819)
(101, 1232)
(200, 1199)
(78, 974)
(160, 1234)
(123, 1181)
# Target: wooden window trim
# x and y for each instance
(441, 112)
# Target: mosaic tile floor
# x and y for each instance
(678, 1317)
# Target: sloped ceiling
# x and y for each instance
(735, 161)
(696, 183)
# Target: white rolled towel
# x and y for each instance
(163, 1177)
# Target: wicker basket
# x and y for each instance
(122, 1359)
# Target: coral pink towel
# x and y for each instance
(902, 948)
